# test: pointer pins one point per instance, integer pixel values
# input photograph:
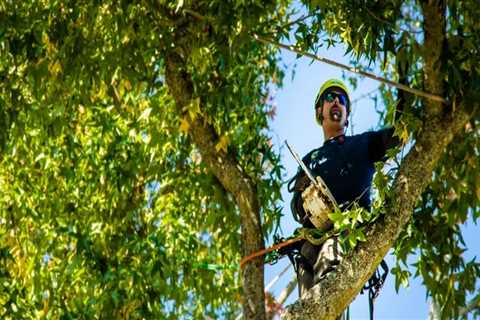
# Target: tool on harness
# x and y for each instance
(375, 283)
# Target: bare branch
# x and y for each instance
(372, 76)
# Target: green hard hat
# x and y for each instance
(329, 84)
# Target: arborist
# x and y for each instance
(346, 165)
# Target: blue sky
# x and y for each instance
(295, 122)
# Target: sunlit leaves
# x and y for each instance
(107, 208)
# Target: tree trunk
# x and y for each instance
(230, 174)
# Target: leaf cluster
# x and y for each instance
(106, 208)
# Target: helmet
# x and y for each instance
(329, 84)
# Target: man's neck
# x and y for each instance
(330, 134)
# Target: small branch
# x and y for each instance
(474, 304)
(337, 64)
(195, 14)
(365, 95)
(302, 18)
(377, 18)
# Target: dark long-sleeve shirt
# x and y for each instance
(346, 164)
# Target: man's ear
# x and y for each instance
(319, 114)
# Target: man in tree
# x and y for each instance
(346, 165)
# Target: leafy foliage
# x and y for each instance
(107, 210)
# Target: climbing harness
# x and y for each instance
(375, 283)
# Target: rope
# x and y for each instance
(267, 250)
(334, 63)
(353, 70)
(304, 234)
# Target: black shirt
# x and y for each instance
(346, 164)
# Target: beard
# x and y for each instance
(335, 113)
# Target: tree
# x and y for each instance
(136, 167)
(429, 45)
(108, 208)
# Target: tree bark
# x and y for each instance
(434, 25)
(227, 170)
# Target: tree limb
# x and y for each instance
(434, 26)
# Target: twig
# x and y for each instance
(302, 18)
(472, 305)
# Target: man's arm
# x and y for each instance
(379, 142)
(382, 140)
(300, 182)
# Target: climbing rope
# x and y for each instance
(268, 250)
(272, 254)
(352, 69)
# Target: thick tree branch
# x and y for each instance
(227, 170)
(434, 27)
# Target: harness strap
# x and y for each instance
(375, 283)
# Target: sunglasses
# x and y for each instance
(330, 97)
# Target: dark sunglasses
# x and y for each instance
(330, 97)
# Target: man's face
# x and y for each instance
(334, 109)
